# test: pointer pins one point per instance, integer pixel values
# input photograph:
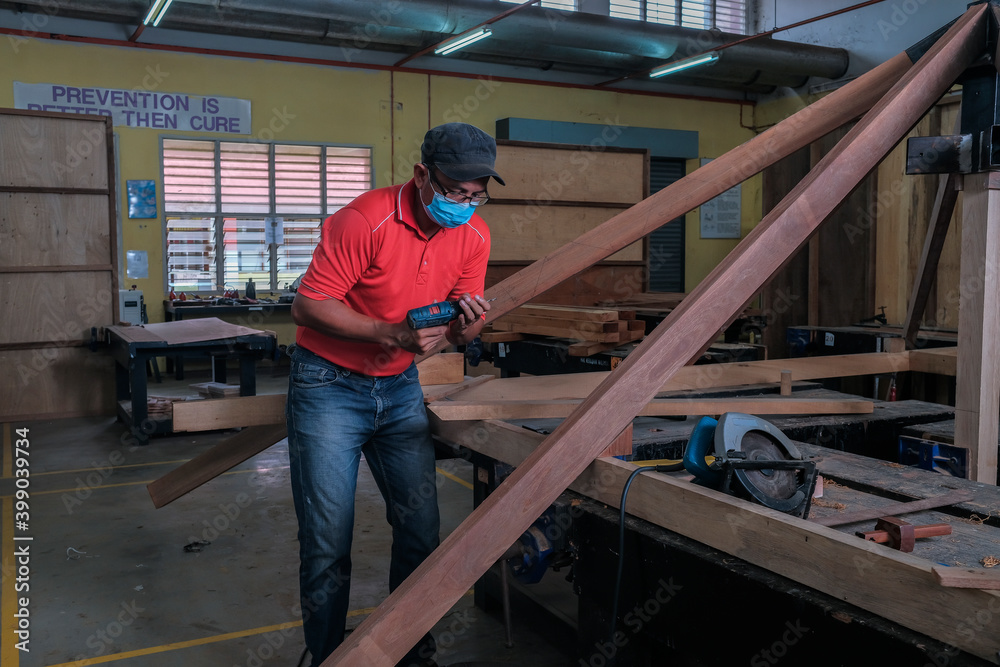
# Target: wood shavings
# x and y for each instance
(819, 502)
(990, 561)
(891, 464)
(829, 482)
(977, 520)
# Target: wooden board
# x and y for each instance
(214, 462)
(412, 609)
(53, 230)
(580, 385)
(897, 586)
(452, 410)
(223, 413)
(52, 152)
(968, 577)
(443, 368)
(528, 232)
(55, 381)
(603, 281)
(54, 307)
(570, 173)
(939, 360)
(571, 312)
(977, 381)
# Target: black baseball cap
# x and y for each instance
(461, 151)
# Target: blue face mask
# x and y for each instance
(447, 213)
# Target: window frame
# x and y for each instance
(219, 215)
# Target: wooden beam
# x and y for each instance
(977, 383)
(221, 413)
(707, 376)
(897, 586)
(661, 407)
(939, 360)
(413, 608)
(231, 452)
(937, 232)
(967, 577)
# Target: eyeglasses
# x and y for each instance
(476, 199)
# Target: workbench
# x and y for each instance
(132, 347)
(702, 605)
(178, 310)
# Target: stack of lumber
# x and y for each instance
(597, 329)
(161, 407)
(646, 301)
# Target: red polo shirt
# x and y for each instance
(374, 257)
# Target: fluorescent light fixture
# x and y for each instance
(462, 41)
(158, 9)
(687, 63)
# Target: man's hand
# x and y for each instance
(470, 321)
(418, 341)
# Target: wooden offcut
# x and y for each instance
(967, 577)
(412, 609)
(443, 368)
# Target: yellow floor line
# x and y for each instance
(198, 642)
(454, 478)
(8, 598)
(113, 468)
(7, 454)
(146, 481)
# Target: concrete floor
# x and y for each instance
(110, 579)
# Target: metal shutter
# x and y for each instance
(666, 244)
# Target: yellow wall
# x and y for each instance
(313, 103)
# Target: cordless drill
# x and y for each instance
(435, 314)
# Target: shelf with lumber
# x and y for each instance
(591, 325)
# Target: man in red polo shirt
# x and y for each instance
(353, 387)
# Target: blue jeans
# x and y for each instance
(334, 416)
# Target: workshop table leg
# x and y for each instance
(219, 368)
(137, 371)
(248, 376)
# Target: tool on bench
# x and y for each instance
(435, 314)
(902, 535)
(753, 460)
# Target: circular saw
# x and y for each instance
(753, 460)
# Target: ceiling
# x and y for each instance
(533, 43)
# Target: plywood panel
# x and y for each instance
(55, 381)
(54, 307)
(529, 232)
(53, 230)
(41, 151)
(571, 173)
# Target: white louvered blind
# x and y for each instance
(725, 15)
(224, 194)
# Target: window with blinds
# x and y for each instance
(241, 210)
(725, 15)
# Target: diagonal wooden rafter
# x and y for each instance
(402, 619)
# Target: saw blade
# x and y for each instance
(778, 484)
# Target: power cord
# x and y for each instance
(673, 467)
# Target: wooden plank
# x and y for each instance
(930, 256)
(582, 326)
(443, 368)
(222, 413)
(899, 587)
(543, 172)
(977, 380)
(893, 509)
(439, 392)
(412, 609)
(60, 307)
(204, 467)
(528, 232)
(54, 230)
(500, 336)
(542, 329)
(580, 385)
(53, 152)
(621, 445)
(587, 286)
(967, 577)
(553, 409)
(569, 312)
(939, 360)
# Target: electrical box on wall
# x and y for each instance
(130, 306)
